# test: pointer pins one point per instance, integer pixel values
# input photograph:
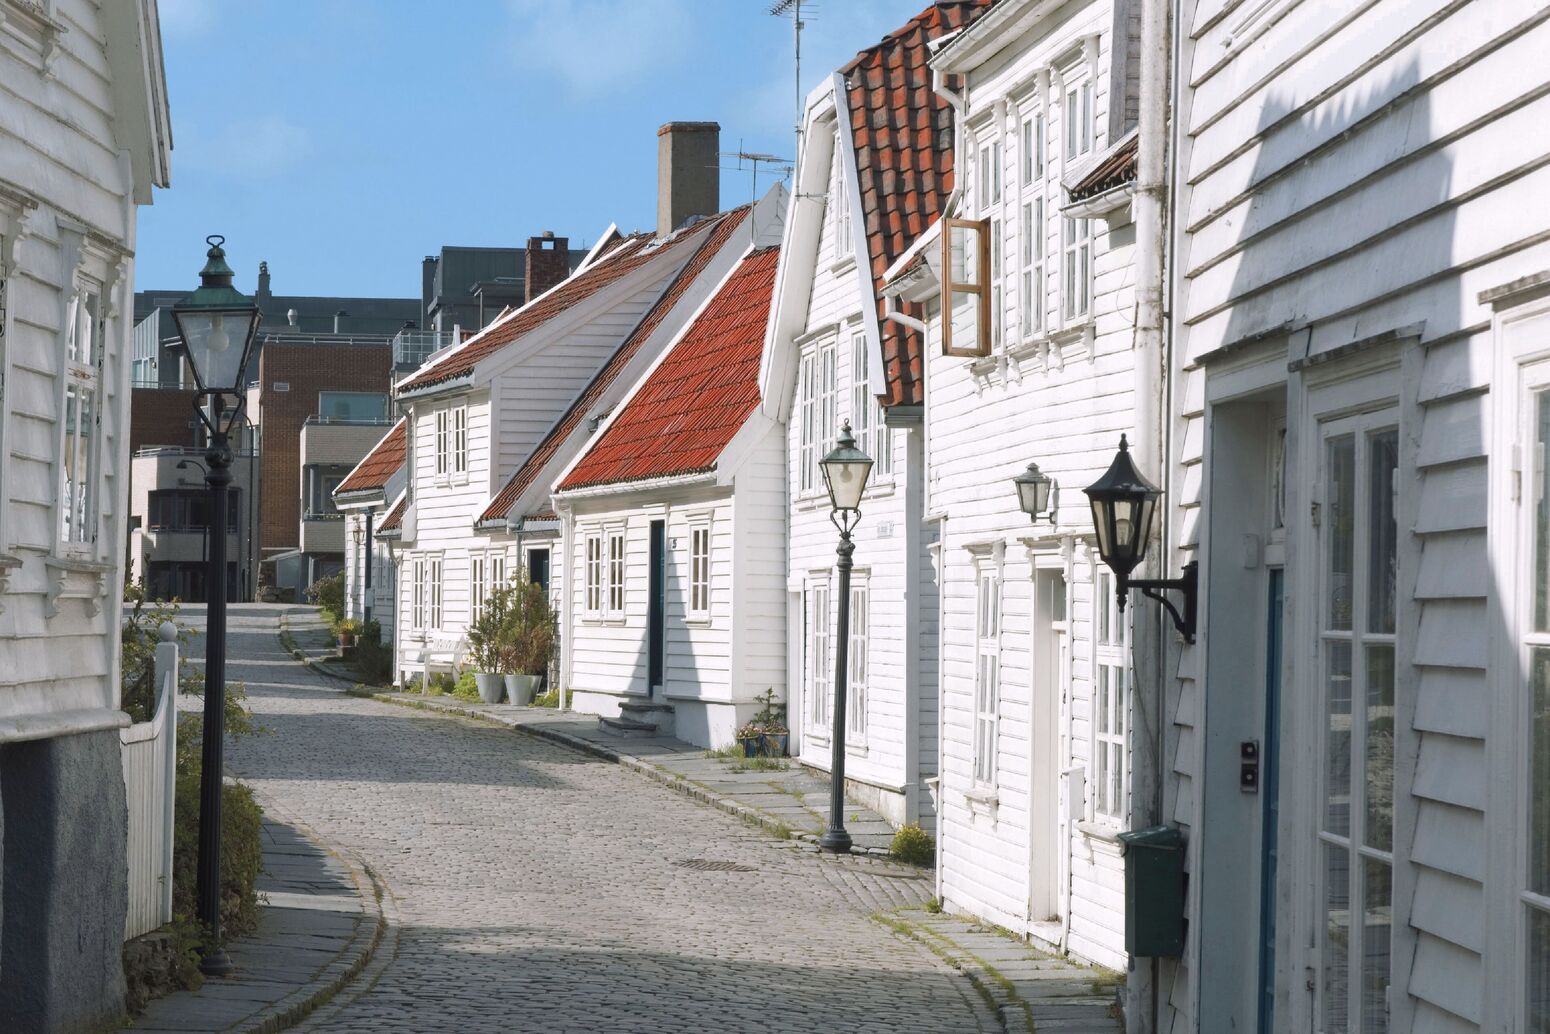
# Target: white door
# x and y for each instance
(1049, 650)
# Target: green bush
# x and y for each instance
(549, 699)
(913, 845)
(137, 643)
(372, 658)
(465, 687)
(328, 593)
(440, 683)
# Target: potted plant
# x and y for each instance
(486, 645)
(529, 640)
(751, 736)
(771, 719)
(347, 630)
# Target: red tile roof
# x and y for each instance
(1117, 168)
(394, 521)
(523, 479)
(381, 463)
(622, 259)
(691, 405)
(904, 162)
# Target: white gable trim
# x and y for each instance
(865, 288)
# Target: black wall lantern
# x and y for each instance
(1037, 493)
(1124, 506)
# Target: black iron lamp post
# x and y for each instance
(216, 328)
(845, 472)
(1124, 505)
(1037, 493)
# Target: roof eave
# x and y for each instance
(614, 488)
(1105, 203)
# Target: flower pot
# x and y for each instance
(777, 743)
(489, 687)
(346, 638)
(520, 688)
(753, 746)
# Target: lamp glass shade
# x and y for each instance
(845, 472)
(1124, 504)
(1033, 490)
(217, 342)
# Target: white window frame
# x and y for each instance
(592, 577)
(987, 674)
(497, 571)
(617, 560)
(991, 198)
(819, 671)
(818, 409)
(866, 413)
(1113, 705)
(1032, 227)
(699, 582)
(460, 441)
(858, 659)
(443, 457)
(434, 591)
(842, 243)
(80, 425)
(1076, 270)
(417, 592)
(478, 588)
(1078, 125)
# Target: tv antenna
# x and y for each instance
(781, 8)
(753, 160)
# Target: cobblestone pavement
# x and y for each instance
(537, 889)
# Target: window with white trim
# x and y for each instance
(478, 591)
(857, 660)
(990, 204)
(1076, 268)
(497, 570)
(84, 348)
(987, 672)
(866, 413)
(1078, 116)
(1358, 555)
(594, 575)
(616, 574)
(460, 440)
(817, 406)
(1111, 701)
(841, 245)
(433, 592)
(819, 662)
(699, 571)
(1532, 707)
(417, 593)
(1031, 227)
(443, 445)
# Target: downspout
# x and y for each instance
(1150, 199)
(366, 591)
(891, 312)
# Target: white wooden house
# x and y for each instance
(84, 137)
(1036, 685)
(1362, 320)
(674, 519)
(873, 173)
(365, 497)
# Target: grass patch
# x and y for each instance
(549, 699)
(934, 906)
(360, 689)
(760, 764)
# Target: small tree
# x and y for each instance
(530, 629)
(487, 636)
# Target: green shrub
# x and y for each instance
(372, 658)
(440, 683)
(913, 845)
(549, 699)
(465, 687)
(137, 643)
(328, 593)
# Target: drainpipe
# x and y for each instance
(366, 592)
(1151, 193)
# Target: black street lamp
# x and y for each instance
(1124, 505)
(845, 471)
(216, 328)
(1037, 494)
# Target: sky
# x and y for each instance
(344, 140)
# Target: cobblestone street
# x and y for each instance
(537, 889)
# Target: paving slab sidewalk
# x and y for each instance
(319, 922)
(790, 800)
(1029, 989)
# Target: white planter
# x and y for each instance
(489, 687)
(520, 688)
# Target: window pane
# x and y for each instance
(1337, 742)
(1539, 772)
(1380, 747)
(1541, 514)
(1335, 979)
(1538, 972)
(1382, 532)
(1377, 902)
(1342, 525)
(352, 405)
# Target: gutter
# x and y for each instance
(704, 477)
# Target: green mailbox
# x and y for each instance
(1154, 892)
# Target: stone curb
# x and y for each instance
(672, 780)
(1012, 1011)
(310, 663)
(350, 961)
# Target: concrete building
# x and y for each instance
(84, 137)
(468, 287)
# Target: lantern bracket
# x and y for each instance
(1154, 588)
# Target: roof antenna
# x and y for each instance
(784, 165)
(781, 8)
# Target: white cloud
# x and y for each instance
(255, 148)
(590, 47)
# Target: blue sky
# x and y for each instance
(343, 140)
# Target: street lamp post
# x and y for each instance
(845, 471)
(216, 327)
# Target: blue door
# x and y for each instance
(1270, 787)
(657, 615)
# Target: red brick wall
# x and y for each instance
(307, 369)
(162, 416)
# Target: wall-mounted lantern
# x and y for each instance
(1037, 493)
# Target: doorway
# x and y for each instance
(1270, 804)
(538, 568)
(657, 618)
(1050, 648)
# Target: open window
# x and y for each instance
(966, 287)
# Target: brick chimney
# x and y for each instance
(548, 262)
(688, 173)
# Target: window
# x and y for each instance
(594, 575)
(1077, 271)
(839, 205)
(347, 407)
(856, 661)
(990, 170)
(433, 576)
(1079, 118)
(1032, 149)
(174, 509)
(819, 672)
(987, 673)
(866, 413)
(497, 570)
(699, 571)
(78, 501)
(1358, 556)
(616, 574)
(460, 440)
(1533, 624)
(442, 445)
(417, 593)
(477, 591)
(1111, 701)
(1030, 316)
(818, 405)
(966, 287)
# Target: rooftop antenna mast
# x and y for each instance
(781, 8)
(782, 165)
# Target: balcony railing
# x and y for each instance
(322, 515)
(344, 421)
(412, 347)
(180, 451)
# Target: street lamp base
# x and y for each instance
(835, 840)
(216, 963)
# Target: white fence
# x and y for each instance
(149, 753)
